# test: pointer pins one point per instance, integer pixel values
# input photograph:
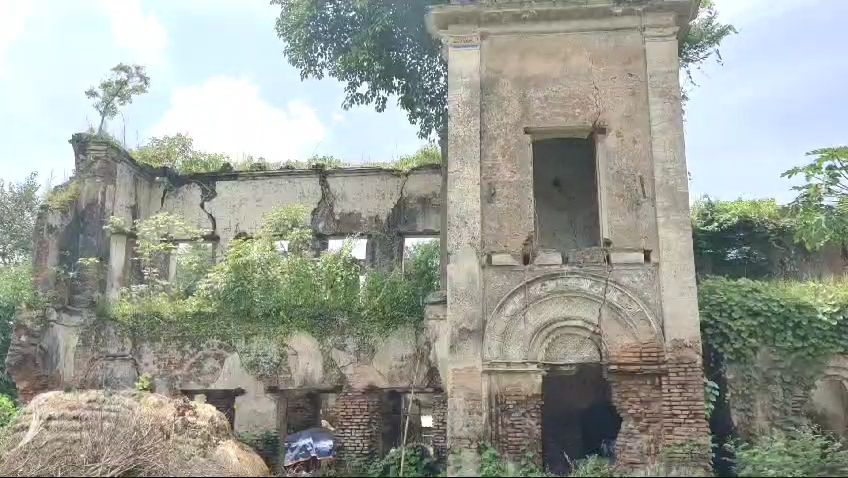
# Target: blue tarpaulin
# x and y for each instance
(309, 443)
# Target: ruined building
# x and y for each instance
(569, 318)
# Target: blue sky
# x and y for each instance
(218, 73)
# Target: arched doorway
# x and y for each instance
(578, 416)
(574, 367)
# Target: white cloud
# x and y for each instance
(136, 31)
(227, 115)
(338, 118)
(13, 13)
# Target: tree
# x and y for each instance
(705, 35)
(380, 48)
(821, 207)
(18, 209)
(177, 152)
(118, 90)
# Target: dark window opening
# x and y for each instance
(578, 417)
(565, 190)
(407, 415)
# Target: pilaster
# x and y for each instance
(464, 282)
(676, 256)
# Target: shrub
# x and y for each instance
(417, 462)
(592, 466)
(7, 411)
(801, 452)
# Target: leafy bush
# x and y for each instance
(417, 462)
(7, 411)
(802, 452)
(592, 466)
(493, 465)
(743, 238)
(144, 383)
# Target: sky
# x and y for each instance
(218, 73)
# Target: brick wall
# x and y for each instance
(358, 425)
(683, 408)
(303, 410)
(518, 426)
(440, 426)
(638, 399)
(635, 375)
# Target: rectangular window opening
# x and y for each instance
(193, 260)
(565, 192)
(282, 247)
(412, 244)
(360, 246)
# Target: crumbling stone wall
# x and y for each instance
(68, 346)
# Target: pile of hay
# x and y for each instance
(128, 433)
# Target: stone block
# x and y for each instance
(504, 260)
(627, 257)
(593, 255)
(548, 258)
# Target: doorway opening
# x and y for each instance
(578, 417)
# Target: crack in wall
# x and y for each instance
(208, 192)
(324, 215)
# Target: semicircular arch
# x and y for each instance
(567, 318)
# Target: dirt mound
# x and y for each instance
(102, 433)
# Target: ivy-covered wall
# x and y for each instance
(772, 311)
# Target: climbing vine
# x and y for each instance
(773, 341)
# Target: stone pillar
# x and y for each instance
(464, 283)
(683, 388)
(516, 413)
(358, 426)
(282, 417)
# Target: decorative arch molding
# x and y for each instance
(567, 318)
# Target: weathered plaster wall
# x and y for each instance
(343, 202)
(567, 80)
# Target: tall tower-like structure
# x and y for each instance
(571, 322)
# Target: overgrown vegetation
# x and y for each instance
(7, 412)
(800, 452)
(18, 207)
(178, 153)
(774, 339)
(256, 296)
(15, 289)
